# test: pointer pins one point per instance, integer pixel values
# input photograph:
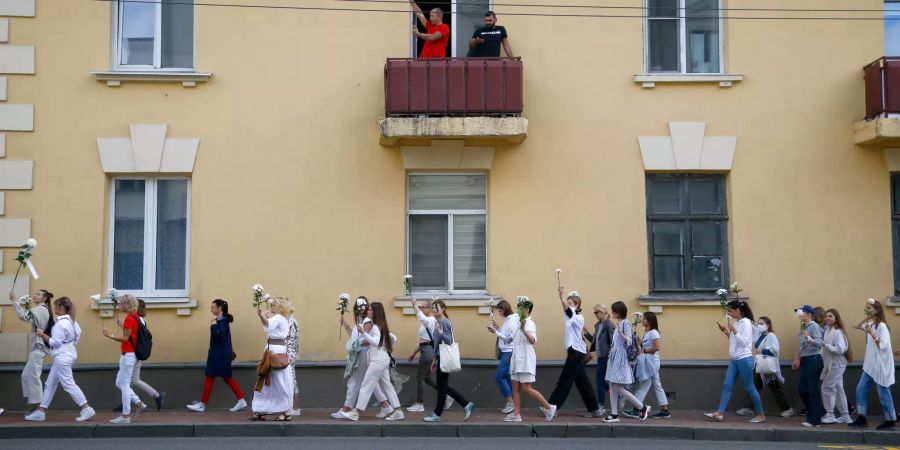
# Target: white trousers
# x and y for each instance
(137, 382)
(354, 383)
(644, 387)
(61, 373)
(378, 375)
(32, 389)
(123, 382)
(833, 391)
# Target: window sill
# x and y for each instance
(187, 79)
(894, 302)
(452, 300)
(181, 305)
(725, 80)
(656, 302)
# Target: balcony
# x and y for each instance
(882, 123)
(472, 100)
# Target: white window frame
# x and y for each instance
(453, 47)
(450, 213)
(150, 208)
(157, 44)
(682, 41)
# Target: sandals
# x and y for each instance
(258, 417)
(283, 418)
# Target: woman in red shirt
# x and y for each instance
(127, 304)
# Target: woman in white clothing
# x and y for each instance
(739, 331)
(835, 354)
(378, 336)
(277, 396)
(523, 364)
(62, 341)
(358, 361)
(505, 335)
(576, 351)
(878, 367)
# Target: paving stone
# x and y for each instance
(588, 431)
(495, 430)
(734, 434)
(143, 430)
(420, 429)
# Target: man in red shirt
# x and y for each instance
(436, 35)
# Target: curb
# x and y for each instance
(450, 430)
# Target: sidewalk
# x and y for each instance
(685, 425)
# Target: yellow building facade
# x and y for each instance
(186, 153)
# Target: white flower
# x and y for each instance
(407, 276)
(799, 312)
(435, 297)
(112, 293)
(24, 299)
(267, 298)
(257, 288)
(558, 270)
(522, 299)
(360, 302)
(871, 301)
(344, 296)
(31, 243)
(721, 292)
(734, 286)
(574, 294)
(638, 315)
(95, 298)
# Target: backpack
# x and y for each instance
(634, 349)
(143, 345)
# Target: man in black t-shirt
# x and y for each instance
(486, 40)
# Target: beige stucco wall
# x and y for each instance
(291, 188)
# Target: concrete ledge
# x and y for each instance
(143, 430)
(331, 429)
(881, 437)
(881, 131)
(734, 434)
(589, 431)
(511, 130)
(492, 430)
(818, 435)
(549, 430)
(652, 432)
(419, 430)
(44, 431)
(243, 430)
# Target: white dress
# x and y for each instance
(523, 362)
(879, 361)
(277, 397)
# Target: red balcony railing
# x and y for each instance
(882, 87)
(453, 87)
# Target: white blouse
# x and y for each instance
(507, 333)
(524, 358)
(574, 327)
(63, 338)
(740, 343)
(278, 328)
(879, 361)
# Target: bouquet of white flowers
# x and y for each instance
(407, 283)
(343, 305)
(25, 303)
(259, 295)
(522, 305)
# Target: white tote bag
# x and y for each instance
(450, 357)
(766, 365)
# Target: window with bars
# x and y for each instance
(687, 225)
(447, 238)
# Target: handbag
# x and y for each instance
(449, 354)
(766, 365)
(278, 361)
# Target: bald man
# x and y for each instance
(436, 32)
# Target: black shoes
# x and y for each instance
(160, 401)
(886, 426)
(860, 422)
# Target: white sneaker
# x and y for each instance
(337, 415)
(512, 417)
(788, 413)
(745, 412)
(396, 415)
(611, 419)
(416, 407)
(295, 412)
(448, 403)
(2, 411)
(121, 420)
(385, 412)
(197, 406)
(36, 416)
(829, 418)
(352, 415)
(241, 404)
(86, 414)
(845, 419)
(602, 411)
(510, 407)
(139, 409)
(549, 413)
(809, 425)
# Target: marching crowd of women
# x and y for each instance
(628, 366)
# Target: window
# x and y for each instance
(149, 236)
(153, 35)
(463, 18)
(895, 228)
(683, 36)
(892, 28)
(687, 228)
(448, 232)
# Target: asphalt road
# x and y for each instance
(294, 443)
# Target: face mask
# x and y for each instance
(762, 328)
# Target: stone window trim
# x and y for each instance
(725, 80)
(656, 302)
(182, 305)
(478, 301)
(115, 78)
